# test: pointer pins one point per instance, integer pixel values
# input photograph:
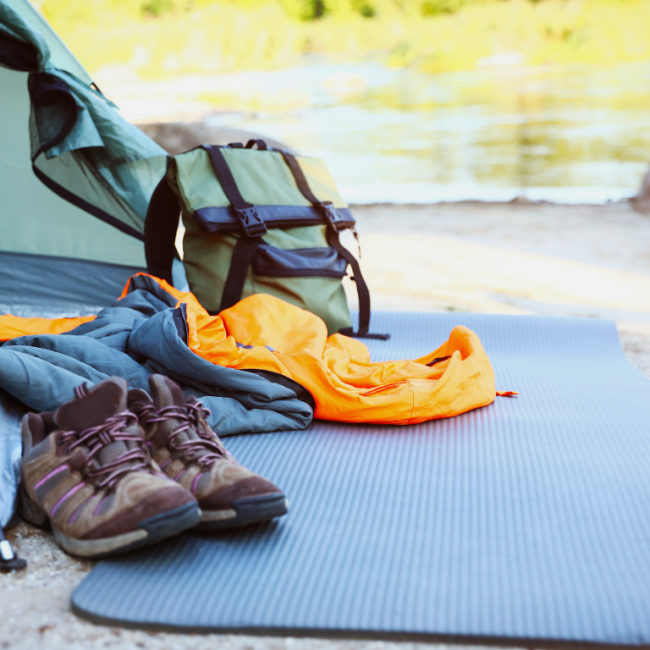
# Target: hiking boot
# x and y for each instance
(86, 469)
(188, 451)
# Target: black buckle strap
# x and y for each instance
(363, 332)
(251, 221)
(336, 224)
(348, 331)
(242, 256)
(248, 216)
(331, 214)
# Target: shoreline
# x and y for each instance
(517, 201)
(180, 136)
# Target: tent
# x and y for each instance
(75, 177)
(75, 182)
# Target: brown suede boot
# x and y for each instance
(86, 469)
(187, 450)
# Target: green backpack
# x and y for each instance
(257, 220)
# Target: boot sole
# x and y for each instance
(149, 531)
(253, 510)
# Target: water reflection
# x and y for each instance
(573, 134)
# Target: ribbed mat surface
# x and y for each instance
(525, 520)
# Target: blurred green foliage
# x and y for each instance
(159, 38)
(308, 10)
(437, 7)
(157, 8)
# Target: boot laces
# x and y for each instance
(96, 438)
(189, 417)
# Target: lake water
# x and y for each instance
(566, 134)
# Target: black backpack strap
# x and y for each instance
(362, 291)
(160, 228)
(242, 256)
(250, 220)
(326, 207)
(336, 224)
(252, 224)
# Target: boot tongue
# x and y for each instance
(103, 401)
(166, 392)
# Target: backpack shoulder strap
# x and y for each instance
(160, 227)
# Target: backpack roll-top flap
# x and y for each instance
(224, 220)
(264, 181)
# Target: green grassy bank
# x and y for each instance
(163, 38)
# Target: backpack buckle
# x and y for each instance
(253, 224)
(333, 217)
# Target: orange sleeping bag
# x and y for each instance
(265, 333)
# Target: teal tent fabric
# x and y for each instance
(81, 147)
(75, 181)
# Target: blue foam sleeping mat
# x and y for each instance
(527, 521)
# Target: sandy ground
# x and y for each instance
(515, 259)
